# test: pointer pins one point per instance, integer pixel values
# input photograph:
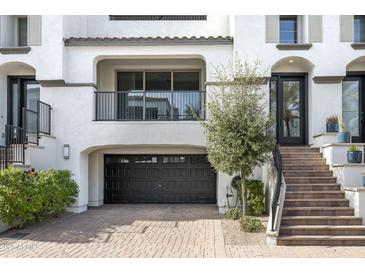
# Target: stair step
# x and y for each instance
(314, 149)
(325, 240)
(309, 167)
(299, 161)
(344, 230)
(310, 180)
(302, 155)
(312, 173)
(318, 211)
(313, 187)
(314, 194)
(320, 220)
(316, 202)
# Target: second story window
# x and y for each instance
(22, 31)
(359, 28)
(288, 29)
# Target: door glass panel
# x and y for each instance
(291, 109)
(129, 81)
(158, 80)
(186, 80)
(273, 102)
(33, 96)
(350, 106)
(15, 94)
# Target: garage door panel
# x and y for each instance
(159, 179)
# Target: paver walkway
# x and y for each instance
(150, 231)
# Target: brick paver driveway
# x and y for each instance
(151, 231)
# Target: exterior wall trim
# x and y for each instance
(15, 50)
(327, 79)
(143, 41)
(62, 83)
(293, 46)
(358, 45)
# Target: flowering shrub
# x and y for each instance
(27, 197)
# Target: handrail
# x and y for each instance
(275, 203)
(150, 105)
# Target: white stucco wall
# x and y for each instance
(73, 106)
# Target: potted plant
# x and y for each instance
(354, 155)
(332, 123)
(343, 136)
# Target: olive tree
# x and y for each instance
(238, 128)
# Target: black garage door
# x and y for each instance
(159, 179)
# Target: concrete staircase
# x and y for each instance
(315, 209)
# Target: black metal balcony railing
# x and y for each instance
(149, 105)
(15, 144)
(44, 118)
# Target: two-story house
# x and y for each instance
(112, 97)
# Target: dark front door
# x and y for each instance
(159, 179)
(353, 106)
(23, 92)
(288, 107)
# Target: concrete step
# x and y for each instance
(299, 149)
(325, 240)
(344, 230)
(306, 173)
(313, 187)
(301, 155)
(320, 220)
(304, 167)
(314, 194)
(304, 161)
(310, 180)
(318, 211)
(316, 202)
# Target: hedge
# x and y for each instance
(28, 197)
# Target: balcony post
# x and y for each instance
(172, 105)
(144, 105)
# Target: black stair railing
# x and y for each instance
(15, 144)
(275, 203)
(3, 157)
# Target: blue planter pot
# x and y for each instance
(354, 156)
(344, 137)
(332, 127)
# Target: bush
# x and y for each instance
(255, 196)
(232, 214)
(251, 224)
(27, 197)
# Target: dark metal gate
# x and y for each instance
(159, 179)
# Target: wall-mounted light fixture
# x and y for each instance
(66, 152)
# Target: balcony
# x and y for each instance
(149, 105)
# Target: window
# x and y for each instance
(158, 17)
(145, 160)
(288, 29)
(130, 81)
(22, 31)
(173, 160)
(158, 80)
(186, 80)
(359, 28)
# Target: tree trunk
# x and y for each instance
(244, 197)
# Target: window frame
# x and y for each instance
(296, 27)
(361, 18)
(158, 70)
(16, 31)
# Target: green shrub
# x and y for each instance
(255, 196)
(27, 197)
(232, 214)
(251, 224)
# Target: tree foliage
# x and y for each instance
(238, 128)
